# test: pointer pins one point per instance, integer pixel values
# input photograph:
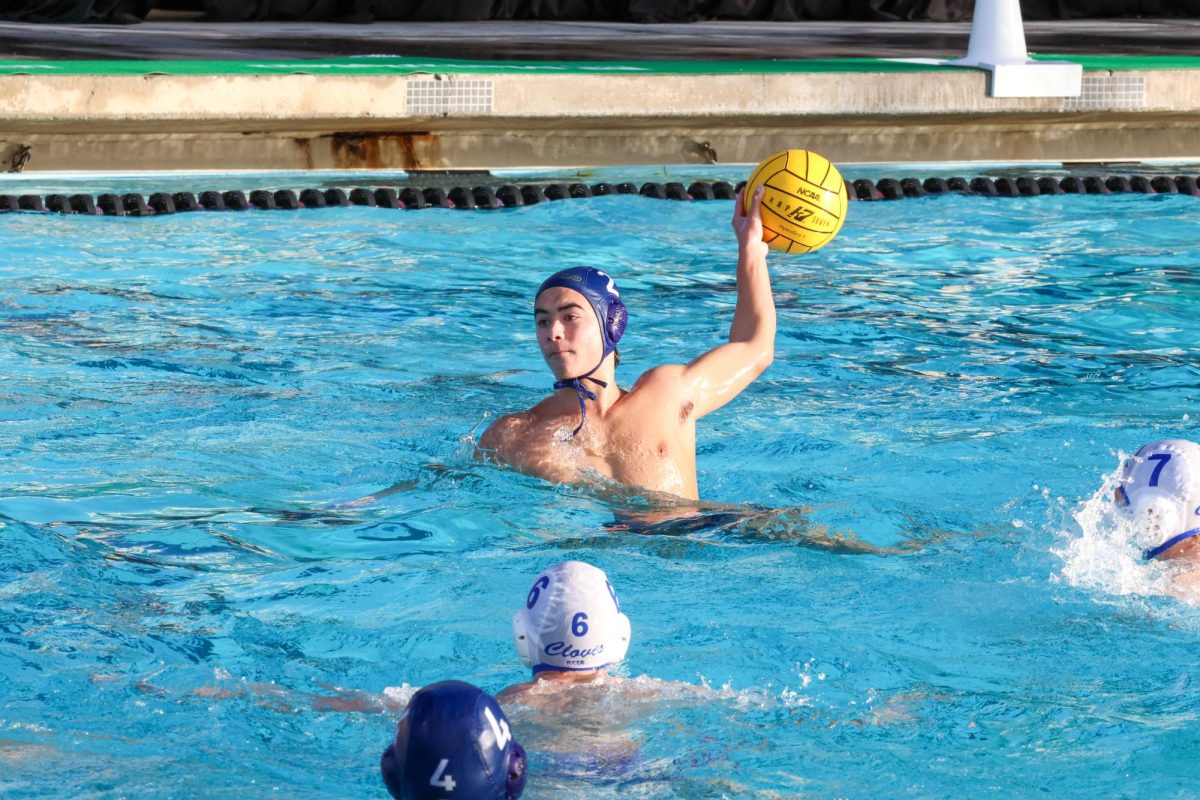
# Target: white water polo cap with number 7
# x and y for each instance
(1160, 492)
(572, 620)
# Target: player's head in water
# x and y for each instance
(579, 319)
(571, 621)
(1159, 494)
(453, 742)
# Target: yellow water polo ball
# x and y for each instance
(804, 204)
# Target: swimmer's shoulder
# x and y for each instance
(548, 694)
(511, 435)
(514, 693)
(666, 389)
(502, 434)
(664, 376)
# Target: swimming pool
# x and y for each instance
(187, 400)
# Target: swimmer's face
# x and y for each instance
(567, 331)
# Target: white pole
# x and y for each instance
(998, 45)
(997, 34)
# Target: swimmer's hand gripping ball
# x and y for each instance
(804, 202)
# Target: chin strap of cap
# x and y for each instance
(1169, 543)
(582, 392)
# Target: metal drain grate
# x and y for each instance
(1103, 92)
(441, 97)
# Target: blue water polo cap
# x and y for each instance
(453, 743)
(601, 292)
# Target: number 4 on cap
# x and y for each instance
(499, 729)
(441, 780)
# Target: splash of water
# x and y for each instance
(1102, 551)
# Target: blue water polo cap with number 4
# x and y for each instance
(453, 743)
(572, 620)
(601, 293)
(1159, 492)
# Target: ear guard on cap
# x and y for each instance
(521, 639)
(615, 319)
(391, 772)
(1154, 517)
(516, 770)
(620, 643)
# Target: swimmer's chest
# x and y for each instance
(642, 442)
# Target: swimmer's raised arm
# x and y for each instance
(718, 376)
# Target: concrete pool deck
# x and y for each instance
(192, 95)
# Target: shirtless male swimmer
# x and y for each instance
(644, 436)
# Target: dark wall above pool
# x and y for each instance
(365, 11)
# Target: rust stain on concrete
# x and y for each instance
(385, 150)
(304, 148)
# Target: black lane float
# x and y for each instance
(514, 195)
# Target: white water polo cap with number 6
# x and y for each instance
(1160, 493)
(571, 620)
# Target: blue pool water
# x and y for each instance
(189, 403)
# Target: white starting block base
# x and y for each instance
(1029, 79)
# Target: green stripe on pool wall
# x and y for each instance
(408, 66)
(1125, 63)
(398, 65)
